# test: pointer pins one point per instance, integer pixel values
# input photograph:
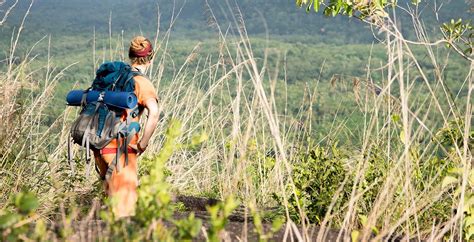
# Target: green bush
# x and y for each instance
(317, 176)
(16, 218)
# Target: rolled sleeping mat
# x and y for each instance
(125, 100)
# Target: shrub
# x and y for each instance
(317, 176)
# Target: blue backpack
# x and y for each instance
(100, 122)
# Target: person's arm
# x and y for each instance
(153, 116)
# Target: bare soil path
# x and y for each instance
(238, 228)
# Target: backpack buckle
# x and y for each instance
(134, 113)
(101, 97)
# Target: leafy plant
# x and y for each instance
(454, 179)
(219, 215)
(153, 195)
(359, 8)
(15, 224)
(317, 176)
(263, 235)
(459, 32)
(154, 206)
(188, 228)
(451, 136)
(363, 221)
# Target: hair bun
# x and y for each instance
(140, 47)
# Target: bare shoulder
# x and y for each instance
(143, 83)
(141, 79)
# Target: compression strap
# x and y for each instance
(106, 151)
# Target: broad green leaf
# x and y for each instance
(26, 203)
(229, 205)
(468, 221)
(457, 192)
(468, 202)
(466, 208)
(40, 229)
(198, 139)
(468, 51)
(213, 210)
(469, 197)
(8, 220)
(471, 177)
(448, 180)
(402, 136)
(375, 230)
(396, 118)
(277, 223)
(469, 232)
(455, 170)
(355, 235)
(363, 219)
(316, 5)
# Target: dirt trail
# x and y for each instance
(238, 228)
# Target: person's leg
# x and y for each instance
(121, 187)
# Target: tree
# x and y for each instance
(458, 34)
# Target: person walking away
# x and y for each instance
(121, 185)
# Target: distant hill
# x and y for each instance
(276, 17)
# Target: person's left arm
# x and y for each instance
(151, 106)
(148, 99)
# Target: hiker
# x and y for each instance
(121, 185)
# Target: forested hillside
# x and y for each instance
(274, 123)
(276, 17)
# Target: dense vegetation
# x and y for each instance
(279, 19)
(324, 120)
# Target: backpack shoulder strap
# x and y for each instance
(130, 77)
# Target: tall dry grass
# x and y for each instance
(29, 159)
(225, 97)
